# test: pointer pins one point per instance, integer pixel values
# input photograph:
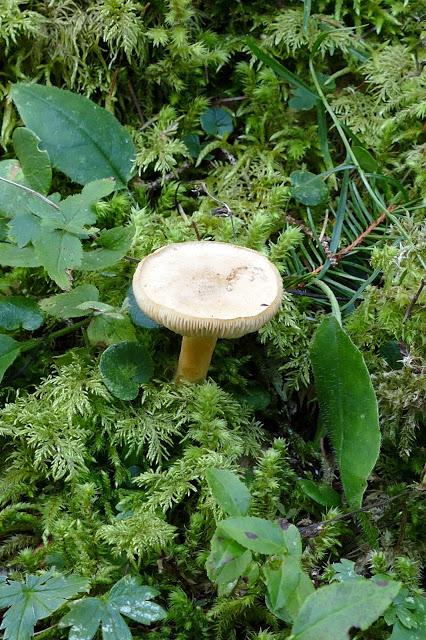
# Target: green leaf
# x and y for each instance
(9, 351)
(24, 228)
(76, 212)
(321, 493)
(412, 625)
(124, 366)
(255, 534)
(35, 599)
(58, 252)
(348, 406)
(345, 570)
(67, 305)
(17, 198)
(13, 256)
(302, 100)
(105, 330)
(12, 170)
(229, 492)
(226, 563)
(308, 188)
(330, 612)
(287, 585)
(18, 312)
(193, 144)
(216, 121)
(35, 163)
(126, 598)
(82, 139)
(113, 246)
(365, 159)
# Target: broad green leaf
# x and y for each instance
(35, 163)
(255, 534)
(9, 351)
(330, 612)
(67, 305)
(24, 228)
(226, 563)
(35, 599)
(82, 139)
(308, 188)
(105, 330)
(287, 585)
(12, 170)
(113, 245)
(18, 312)
(17, 198)
(348, 406)
(13, 256)
(229, 492)
(216, 121)
(124, 366)
(126, 598)
(193, 144)
(58, 252)
(137, 315)
(321, 493)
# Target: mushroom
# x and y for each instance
(204, 291)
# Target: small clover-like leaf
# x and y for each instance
(18, 312)
(217, 121)
(124, 366)
(308, 188)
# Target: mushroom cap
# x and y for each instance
(208, 289)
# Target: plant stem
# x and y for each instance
(31, 344)
(335, 309)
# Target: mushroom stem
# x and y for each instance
(194, 359)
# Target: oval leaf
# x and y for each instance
(82, 139)
(124, 366)
(255, 534)
(68, 305)
(229, 492)
(348, 406)
(330, 612)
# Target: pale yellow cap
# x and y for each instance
(208, 289)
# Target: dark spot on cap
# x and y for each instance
(250, 535)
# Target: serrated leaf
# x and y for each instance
(18, 312)
(124, 366)
(320, 492)
(288, 586)
(137, 315)
(255, 534)
(76, 212)
(216, 121)
(58, 252)
(308, 188)
(35, 599)
(414, 627)
(73, 127)
(35, 162)
(9, 351)
(17, 198)
(330, 612)
(229, 492)
(348, 406)
(113, 246)
(226, 563)
(67, 305)
(106, 330)
(13, 256)
(126, 598)
(24, 228)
